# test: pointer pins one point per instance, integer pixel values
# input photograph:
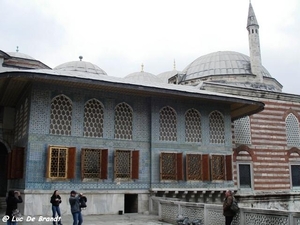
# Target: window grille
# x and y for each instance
(126, 164)
(61, 115)
(94, 163)
(245, 175)
(167, 124)
(93, 119)
(218, 167)
(171, 167)
(58, 162)
(123, 121)
(193, 167)
(216, 128)
(292, 130)
(242, 130)
(192, 126)
(295, 173)
(61, 162)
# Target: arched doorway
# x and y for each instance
(3, 169)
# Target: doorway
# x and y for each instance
(131, 203)
(3, 170)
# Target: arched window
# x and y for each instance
(292, 130)
(193, 126)
(167, 124)
(93, 118)
(61, 115)
(242, 131)
(123, 121)
(216, 128)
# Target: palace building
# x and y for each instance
(221, 123)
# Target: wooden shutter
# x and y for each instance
(71, 163)
(179, 168)
(82, 160)
(104, 164)
(228, 162)
(48, 162)
(135, 164)
(19, 162)
(205, 168)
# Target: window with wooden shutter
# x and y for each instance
(193, 167)
(15, 162)
(94, 163)
(171, 166)
(126, 164)
(218, 167)
(61, 162)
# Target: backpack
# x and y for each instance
(234, 206)
(82, 202)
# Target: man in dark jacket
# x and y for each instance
(227, 212)
(12, 200)
(75, 208)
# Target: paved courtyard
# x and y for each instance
(126, 219)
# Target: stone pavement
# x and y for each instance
(126, 219)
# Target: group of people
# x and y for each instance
(14, 197)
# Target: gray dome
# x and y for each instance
(81, 66)
(143, 77)
(220, 63)
(165, 76)
(20, 55)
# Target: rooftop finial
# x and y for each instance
(17, 49)
(80, 58)
(174, 65)
(142, 69)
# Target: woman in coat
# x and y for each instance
(55, 201)
(12, 200)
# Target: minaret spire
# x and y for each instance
(254, 45)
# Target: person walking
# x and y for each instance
(75, 207)
(12, 200)
(55, 201)
(227, 212)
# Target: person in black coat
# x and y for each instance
(12, 200)
(55, 201)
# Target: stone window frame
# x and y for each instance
(130, 170)
(251, 175)
(292, 129)
(168, 124)
(93, 118)
(213, 132)
(123, 122)
(291, 175)
(61, 116)
(88, 155)
(192, 134)
(68, 163)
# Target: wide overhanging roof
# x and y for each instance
(14, 82)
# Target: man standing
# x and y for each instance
(227, 212)
(75, 208)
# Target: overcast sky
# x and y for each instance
(120, 35)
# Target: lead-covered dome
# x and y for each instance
(220, 63)
(143, 77)
(20, 55)
(81, 66)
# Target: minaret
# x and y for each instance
(254, 46)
